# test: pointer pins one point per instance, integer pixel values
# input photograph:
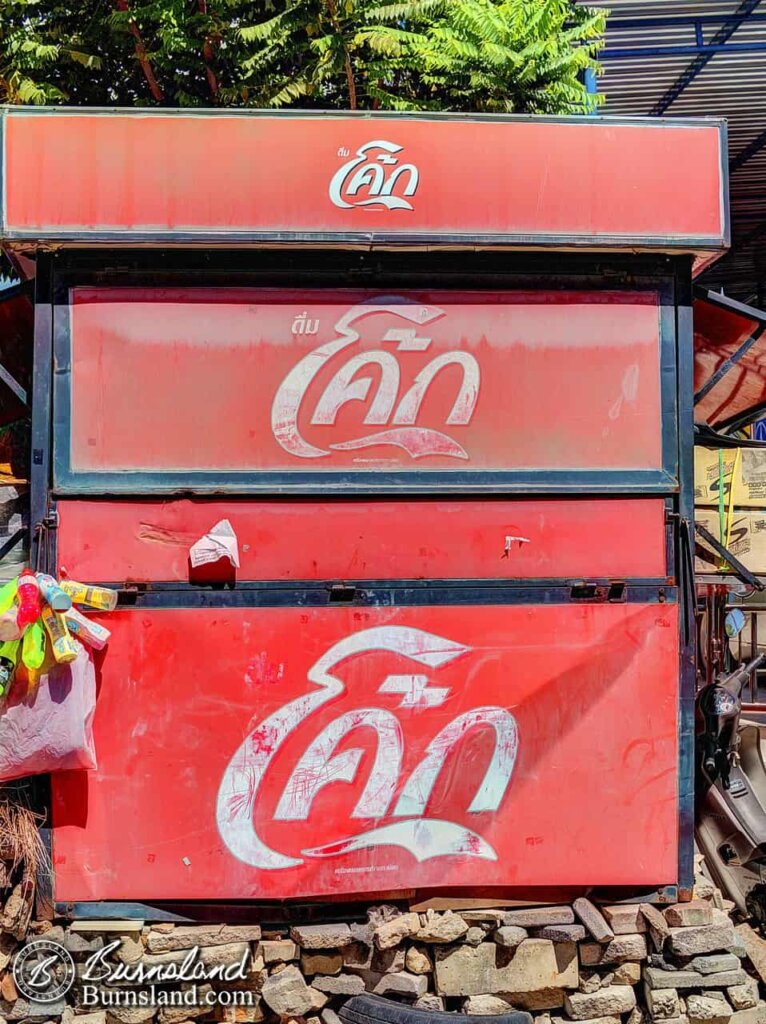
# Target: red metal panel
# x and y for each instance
(718, 333)
(312, 381)
(368, 540)
(390, 748)
(579, 182)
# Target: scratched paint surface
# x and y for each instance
(316, 381)
(153, 173)
(351, 750)
(368, 540)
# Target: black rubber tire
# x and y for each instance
(379, 1010)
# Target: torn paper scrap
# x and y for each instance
(220, 542)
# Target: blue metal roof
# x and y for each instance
(702, 58)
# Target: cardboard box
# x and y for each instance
(747, 540)
(749, 482)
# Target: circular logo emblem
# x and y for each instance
(43, 971)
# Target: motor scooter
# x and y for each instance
(731, 792)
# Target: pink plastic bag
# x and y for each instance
(50, 729)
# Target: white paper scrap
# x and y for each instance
(220, 542)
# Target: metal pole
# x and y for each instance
(591, 87)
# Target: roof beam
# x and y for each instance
(750, 150)
(724, 33)
(690, 49)
(676, 21)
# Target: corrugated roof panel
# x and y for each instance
(724, 83)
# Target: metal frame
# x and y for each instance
(687, 639)
(228, 236)
(399, 593)
(57, 271)
(384, 270)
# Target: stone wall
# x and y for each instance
(625, 964)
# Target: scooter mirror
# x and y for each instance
(734, 623)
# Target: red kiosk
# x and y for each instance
(429, 381)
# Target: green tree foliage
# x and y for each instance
(515, 56)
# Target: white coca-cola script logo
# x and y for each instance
(365, 173)
(423, 837)
(348, 384)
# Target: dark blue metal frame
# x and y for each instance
(663, 480)
(684, 574)
(671, 276)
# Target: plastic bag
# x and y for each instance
(48, 726)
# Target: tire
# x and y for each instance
(379, 1010)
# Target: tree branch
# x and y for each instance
(207, 55)
(143, 60)
(352, 103)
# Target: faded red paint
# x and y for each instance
(592, 691)
(82, 172)
(369, 540)
(718, 334)
(223, 379)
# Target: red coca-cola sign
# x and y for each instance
(374, 749)
(309, 382)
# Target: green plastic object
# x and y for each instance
(33, 646)
(7, 596)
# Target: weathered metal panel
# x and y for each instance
(369, 540)
(729, 375)
(602, 183)
(227, 382)
(360, 749)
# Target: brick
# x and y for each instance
(713, 963)
(510, 936)
(559, 932)
(278, 951)
(620, 949)
(287, 993)
(442, 928)
(755, 947)
(744, 997)
(628, 973)
(402, 984)
(537, 965)
(188, 936)
(486, 1006)
(706, 939)
(610, 1001)
(697, 913)
(657, 978)
(322, 962)
(340, 985)
(538, 917)
(662, 1003)
(321, 936)
(625, 918)
(704, 1010)
(593, 919)
(391, 933)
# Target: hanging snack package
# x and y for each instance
(49, 727)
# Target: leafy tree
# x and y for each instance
(511, 56)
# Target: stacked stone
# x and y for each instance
(695, 974)
(623, 964)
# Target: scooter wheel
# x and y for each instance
(369, 1009)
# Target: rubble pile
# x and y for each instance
(625, 964)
